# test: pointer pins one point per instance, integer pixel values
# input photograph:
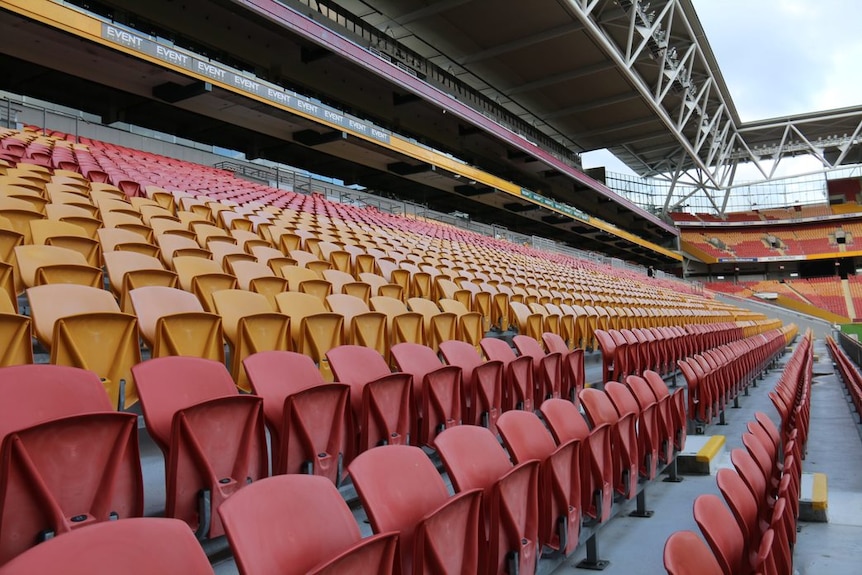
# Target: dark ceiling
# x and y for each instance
(54, 66)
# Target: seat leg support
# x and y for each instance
(674, 476)
(641, 510)
(592, 561)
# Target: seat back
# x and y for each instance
(722, 532)
(415, 509)
(742, 503)
(251, 326)
(202, 277)
(526, 438)
(598, 469)
(361, 325)
(310, 513)
(547, 368)
(213, 439)
(67, 460)
(474, 459)
(83, 327)
(314, 330)
(173, 322)
(481, 383)
(94, 551)
(686, 554)
(382, 401)
(16, 339)
(49, 264)
(518, 378)
(436, 389)
(278, 376)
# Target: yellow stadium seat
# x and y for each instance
(202, 277)
(16, 344)
(173, 322)
(361, 325)
(131, 270)
(40, 265)
(403, 325)
(83, 327)
(250, 326)
(314, 329)
(67, 235)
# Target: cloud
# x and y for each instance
(788, 57)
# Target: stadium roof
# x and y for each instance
(636, 77)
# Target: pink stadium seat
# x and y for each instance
(474, 459)
(601, 411)
(547, 368)
(310, 429)
(518, 380)
(382, 401)
(68, 460)
(436, 389)
(686, 554)
(481, 383)
(526, 438)
(597, 462)
(213, 439)
(141, 546)
(401, 491)
(572, 365)
(310, 514)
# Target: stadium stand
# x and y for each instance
(288, 351)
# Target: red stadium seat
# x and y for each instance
(526, 438)
(547, 368)
(518, 384)
(294, 524)
(382, 401)
(646, 427)
(401, 491)
(310, 429)
(436, 388)
(474, 459)
(141, 546)
(68, 460)
(213, 439)
(597, 468)
(481, 383)
(572, 368)
(686, 554)
(600, 411)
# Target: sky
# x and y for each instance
(780, 57)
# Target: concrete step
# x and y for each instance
(702, 454)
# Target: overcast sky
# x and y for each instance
(781, 57)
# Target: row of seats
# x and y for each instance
(508, 505)
(213, 439)
(632, 351)
(754, 242)
(167, 263)
(754, 529)
(203, 180)
(717, 376)
(847, 370)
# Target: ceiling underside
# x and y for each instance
(54, 66)
(638, 78)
